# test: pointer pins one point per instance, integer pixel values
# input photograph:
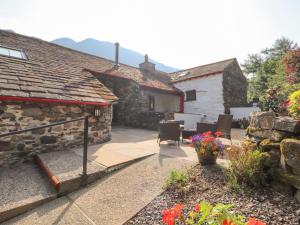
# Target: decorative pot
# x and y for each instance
(207, 159)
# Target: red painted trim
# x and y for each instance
(196, 77)
(182, 103)
(74, 102)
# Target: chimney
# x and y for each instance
(147, 66)
(117, 54)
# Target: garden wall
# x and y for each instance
(21, 115)
(279, 138)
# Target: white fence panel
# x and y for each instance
(242, 112)
(190, 120)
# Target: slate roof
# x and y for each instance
(200, 71)
(55, 72)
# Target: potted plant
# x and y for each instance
(207, 147)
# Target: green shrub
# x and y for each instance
(246, 167)
(293, 104)
(177, 179)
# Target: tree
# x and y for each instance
(265, 69)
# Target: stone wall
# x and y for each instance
(234, 87)
(21, 115)
(132, 108)
(279, 137)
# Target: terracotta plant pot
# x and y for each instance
(207, 159)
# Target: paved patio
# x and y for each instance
(122, 194)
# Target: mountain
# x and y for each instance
(107, 50)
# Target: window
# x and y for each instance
(190, 95)
(12, 53)
(151, 103)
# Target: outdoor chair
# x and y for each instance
(169, 131)
(223, 124)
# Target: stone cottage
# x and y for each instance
(146, 95)
(212, 89)
(42, 83)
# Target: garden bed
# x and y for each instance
(210, 184)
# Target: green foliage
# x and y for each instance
(266, 71)
(246, 168)
(216, 215)
(294, 104)
(177, 179)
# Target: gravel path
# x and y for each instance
(209, 184)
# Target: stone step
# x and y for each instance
(64, 170)
(23, 187)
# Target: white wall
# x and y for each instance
(190, 120)
(242, 112)
(209, 96)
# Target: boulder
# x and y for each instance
(262, 120)
(273, 135)
(267, 145)
(287, 124)
(290, 150)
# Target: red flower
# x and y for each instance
(207, 134)
(209, 139)
(218, 133)
(253, 221)
(197, 208)
(227, 222)
(170, 215)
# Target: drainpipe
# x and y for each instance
(182, 103)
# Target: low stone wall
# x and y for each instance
(279, 137)
(21, 115)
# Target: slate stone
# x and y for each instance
(48, 139)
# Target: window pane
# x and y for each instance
(15, 53)
(4, 51)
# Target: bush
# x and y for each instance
(177, 179)
(246, 167)
(293, 104)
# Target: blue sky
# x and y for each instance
(179, 33)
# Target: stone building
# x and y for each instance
(42, 83)
(146, 95)
(212, 89)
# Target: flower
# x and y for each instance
(209, 139)
(207, 134)
(218, 133)
(253, 221)
(227, 222)
(170, 215)
(197, 208)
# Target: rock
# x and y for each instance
(263, 120)
(267, 145)
(297, 196)
(287, 178)
(290, 150)
(272, 158)
(10, 116)
(287, 124)
(34, 112)
(272, 135)
(20, 147)
(75, 109)
(5, 145)
(48, 139)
